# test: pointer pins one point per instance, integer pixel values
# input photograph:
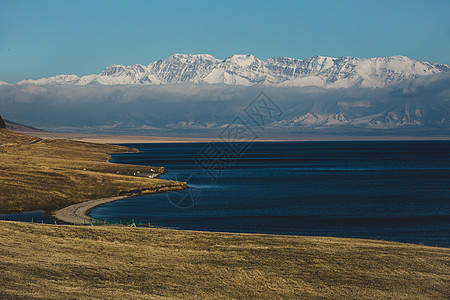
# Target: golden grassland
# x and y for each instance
(49, 174)
(41, 261)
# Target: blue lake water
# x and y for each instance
(397, 191)
(32, 216)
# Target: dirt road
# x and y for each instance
(79, 213)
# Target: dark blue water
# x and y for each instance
(397, 191)
(32, 216)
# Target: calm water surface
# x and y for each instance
(398, 191)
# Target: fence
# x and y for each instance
(129, 222)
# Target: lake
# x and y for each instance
(396, 191)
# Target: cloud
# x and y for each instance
(422, 103)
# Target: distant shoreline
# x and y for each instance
(129, 139)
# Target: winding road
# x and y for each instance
(79, 213)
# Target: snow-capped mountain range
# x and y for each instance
(247, 70)
(199, 93)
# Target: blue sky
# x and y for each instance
(46, 38)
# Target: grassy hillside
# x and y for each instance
(48, 174)
(73, 262)
(39, 261)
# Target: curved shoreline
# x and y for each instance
(79, 214)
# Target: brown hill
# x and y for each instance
(2, 122)
(48, 174)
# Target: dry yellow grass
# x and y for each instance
(50, 174)
(74, 262)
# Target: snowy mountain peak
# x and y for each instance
(112, 70)
(58, 79)
(238, 69)
(398, 57)
(240, 57)
(119, 70)
(191, 57)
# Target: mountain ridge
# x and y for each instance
(247, 70)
